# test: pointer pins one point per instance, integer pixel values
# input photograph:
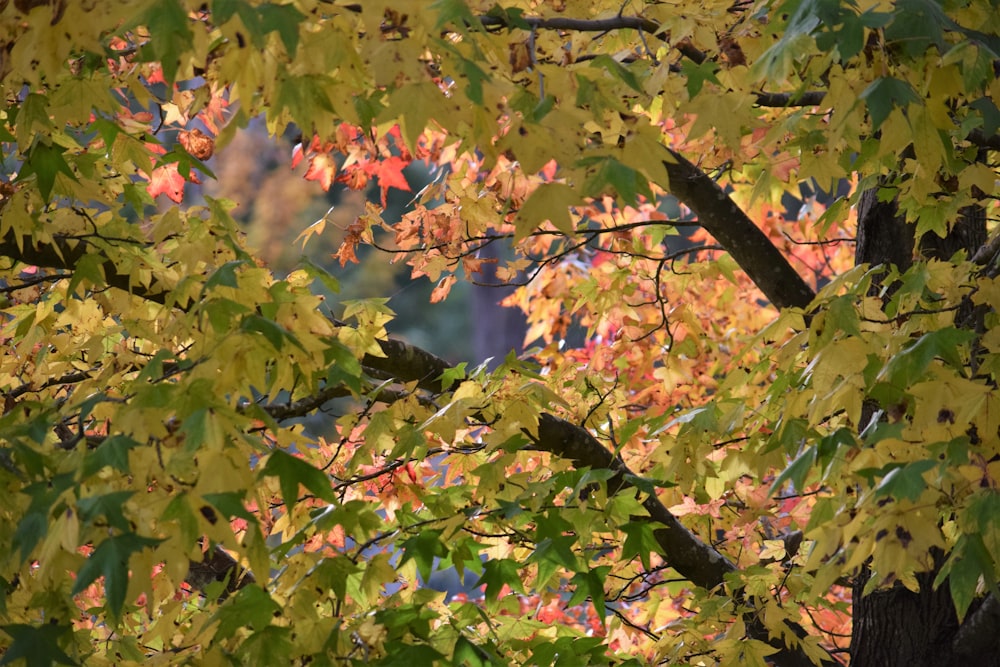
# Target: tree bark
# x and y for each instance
(896, 627)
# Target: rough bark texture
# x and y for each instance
(883, 237)
(897, 627)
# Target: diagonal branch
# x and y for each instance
(719, 215)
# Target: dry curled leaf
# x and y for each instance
(197, 143)
(520, 56)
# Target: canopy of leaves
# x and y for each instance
(718, 424)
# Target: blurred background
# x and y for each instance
(275, 204)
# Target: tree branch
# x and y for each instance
(750, 247)
(810, 98)
(64, 253)
(979, 635)
(692, 558)
(576, 25)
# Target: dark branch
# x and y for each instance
(695, 560)
(719, 215)
(979, 635)
(64, 253)
(577, 25)
(808, 99)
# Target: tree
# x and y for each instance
(755, 453)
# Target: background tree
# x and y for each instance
(728, 445)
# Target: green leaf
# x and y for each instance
(170, 35)
(848, 38)
(626, 181)
(251, 608)
(969, 564)
(110, 560)
(292, 471)
(797, 471)
(113, 453)
(617, 70)
(33, 117)
(475, 76)
(554, 542)
(498, 572)
(569, 652)
(639, 541)
(37, 645)
(885, 93)
(35, 523)
(424, 548)
(30, 529)
(990, 113)
(550, 201)
(230, 504)
(905, 482)
(248, 16)
(344, 369)
(467, 654)
(179, 510)
(109, 505)
(225, 275)
(696, 74)
(512, 17)
(317, 272)
(916, 25)
(45, 161)
(590, 583)
(273, 332)
(908, 366)
(455, 13)
(333, 573)
(285, 20)
(408, 655)
(452, 375)
(89, 268)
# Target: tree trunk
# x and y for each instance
(896, 627)
(496, 330)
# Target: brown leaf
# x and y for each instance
(197, 143)
(520, 56)
(731, 50)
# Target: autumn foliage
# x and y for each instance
(718, 435)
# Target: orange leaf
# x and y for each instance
(166, 180)
(390, 175)
(440, 292)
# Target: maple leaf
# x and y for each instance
(440, 292)
(214, 113)
(297, 154)
(38, 646)
(322, 168)
(166, 180)
(390, 174)
(197, 143)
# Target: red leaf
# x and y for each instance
(168, 181)
(322, 168)
(214, 113)
(390, 174)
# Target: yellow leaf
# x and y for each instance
(550, 202)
